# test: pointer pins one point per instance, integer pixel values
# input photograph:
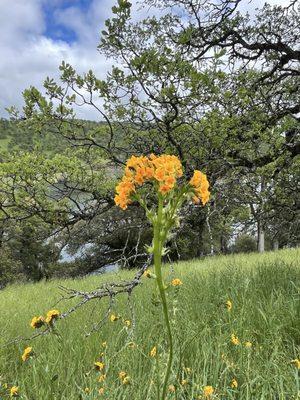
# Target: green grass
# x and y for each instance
(264, 290)
(4, 143)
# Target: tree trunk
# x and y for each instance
(223, 244)
(260, 238)
(212, 248)
(275, 244)
(260, 227)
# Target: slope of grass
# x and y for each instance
(4, 143)
(264, 290)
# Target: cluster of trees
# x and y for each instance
(204, 81)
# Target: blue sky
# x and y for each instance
(56, 29)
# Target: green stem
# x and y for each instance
(157, 377)
(158, 246)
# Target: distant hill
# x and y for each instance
(16, 135)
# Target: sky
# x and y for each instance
(36, 35)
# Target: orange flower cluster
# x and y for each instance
(200, 183)
(167, 170)
(124, 190)
(164, 169)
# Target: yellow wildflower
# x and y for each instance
(122, 375)
(87, 390)
(101, 391)
(14, 391)
(228, 305)
(172, 389)
(104, 344)
(153, 352)
(184, 382)
(126, 380)
(234, 340)
(176, 282)
(127, 323)
(187, 370)
(234, 383)
(248, 344)
(27, 353)
(208, 391)
(51, 316)
(113, 318)
(102, 378)
(99, 365)
(37, 322)
(296, 362)
(147, 273)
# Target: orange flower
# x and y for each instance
(139, 179)
(200, 184)
(170, 180)
(159, 174)
(165, 169)
(164, 189)
(124, 190)
(150, 172)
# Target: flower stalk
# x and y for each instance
(160, 172)
(158, 243)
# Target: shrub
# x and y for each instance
(245, 244)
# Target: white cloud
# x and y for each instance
(22, 18)
(27, 56)
(251, 6)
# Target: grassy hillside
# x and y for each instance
(263, 289)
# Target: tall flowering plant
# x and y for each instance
(157, 184)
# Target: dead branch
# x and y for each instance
(106, 290)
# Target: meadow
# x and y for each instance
(242, 349)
